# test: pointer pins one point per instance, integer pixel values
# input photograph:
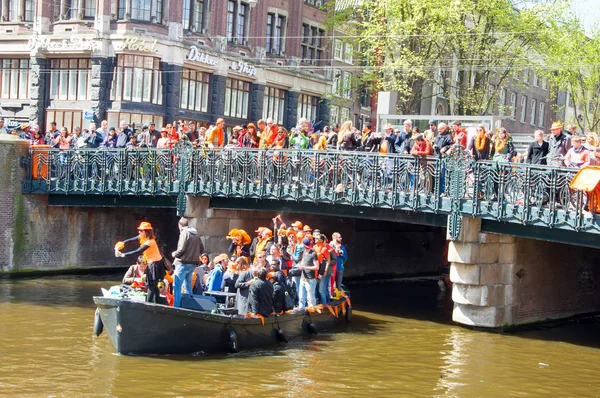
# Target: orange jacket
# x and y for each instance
(268, 137)
(216, 137)
(422, 149)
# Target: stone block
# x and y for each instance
(481, 296)
(510, 294)
(491, 274)
(196, 206)
(473, 253)
(508, 274)
(469, 231)
(488, 238)
(490, 317)
(212, 227)
(468, 274)
(508, 239)
(508, 253)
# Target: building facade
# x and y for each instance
(76, 61)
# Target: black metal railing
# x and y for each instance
(511, 192)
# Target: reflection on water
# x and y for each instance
(406, 346)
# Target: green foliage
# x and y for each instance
(572, 64)
(464, 50)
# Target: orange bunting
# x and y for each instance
(252, 315)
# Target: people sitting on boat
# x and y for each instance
(215, 278)
(260, 297)
(156, 269)
(135, 275)
(261, 259)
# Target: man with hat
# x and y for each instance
(144, 138)
(26, 134)
(215, 279)
(430, 133)
(559, 145)
(255, 242)
(309, 267)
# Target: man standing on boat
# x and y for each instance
(308, 282)
(186, 258)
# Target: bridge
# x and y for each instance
(511, 198)
(502, 220)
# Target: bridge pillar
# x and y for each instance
(482, 272)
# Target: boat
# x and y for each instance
(135, 327)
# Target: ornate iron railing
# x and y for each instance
(510, 192)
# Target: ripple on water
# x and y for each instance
(406, 348)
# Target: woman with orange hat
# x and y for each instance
(250, 139)
(240, 242)
(156, 270)
(265, 240)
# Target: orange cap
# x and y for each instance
(271, 275)
(556, 125)
(259, 230)
(307, 228)
(145, 225)
(297, 224)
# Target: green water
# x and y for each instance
(405, 346)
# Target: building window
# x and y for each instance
(63, 118)
(365, 97)
(526, 76)
(536, 80)
(237, 98)
(502, 102)
(523, 108)
(347, 89)
(344, 114)
(533, 110)
(544, 83)
(193, 15)
(307, 107)
(137, 78)
(12, 10)
(141, 10)
(338, 82)
(513, 106)
(312, 44)
(14, 79)
(314, 3)
(348, 53)
(335, 115)
(274, 104)
(237, 21)
(30, 10)
(275, 24)
(338, 50)
(69, 79)
(195, 90)
(541, 114)
(135, 120)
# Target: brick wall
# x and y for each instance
(556, 280)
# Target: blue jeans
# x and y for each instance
(324, 289)
(182, 277)
(307, 292)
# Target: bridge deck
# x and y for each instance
(506, 192)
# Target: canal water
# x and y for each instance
(400, 343)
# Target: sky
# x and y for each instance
(588, 11)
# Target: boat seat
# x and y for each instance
(198, 302)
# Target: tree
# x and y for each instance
(573, 66)
(464, 50)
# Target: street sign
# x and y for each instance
(88, 114)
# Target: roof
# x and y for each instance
(341, 5)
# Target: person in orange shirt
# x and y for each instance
(268, 135)
(422, 147)
(281, 139)
(324, 274)
(216, 136)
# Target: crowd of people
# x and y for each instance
(281, 269)
(561, 147)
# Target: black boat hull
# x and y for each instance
(135, 327)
